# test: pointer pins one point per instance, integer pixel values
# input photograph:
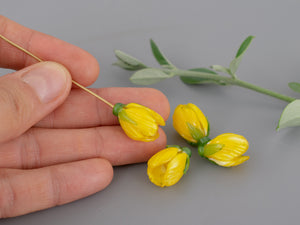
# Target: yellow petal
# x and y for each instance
(156, 175)
(234, 145)
(162, 157)
(131, 131)
(175, 169)
(144, 121)
(157, 118)
(239, 160)
(234, 162)
(200, 117)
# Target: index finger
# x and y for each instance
(82, 65)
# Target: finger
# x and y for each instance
(28, 95)
(82, 110)
(43, 147)
(25, 191)
(82, 65)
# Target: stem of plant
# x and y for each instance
(231, 81)
(38, 59)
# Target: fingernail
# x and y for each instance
(47, 79)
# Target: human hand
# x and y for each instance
(57, 143)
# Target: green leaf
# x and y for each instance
(198, 80)
(126, 66)
(159, 56)
(290, 116)
(148, 76)
(129, 60)
(244, 46)
(234, 64)
(294, 86)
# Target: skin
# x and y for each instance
(63, 150)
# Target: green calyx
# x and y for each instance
(201, 150)
(196, 133)
(121, 114)
(212, 149)
(117, 108)
(201, 143)
(187, 165)
(207, 150)
(189, 153)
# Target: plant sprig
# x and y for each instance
(145, 75)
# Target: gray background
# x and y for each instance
(264, 190)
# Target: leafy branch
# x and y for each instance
(145, 75)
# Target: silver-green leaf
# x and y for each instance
(294, 86)
(290, 116)
(159, 56)
(234, 64)
(198, 80)
(148, 76)
(125, 66)
(128, 59)
(220, 68)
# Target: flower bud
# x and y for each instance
(166, 167)
(190, 123)
(138, 122)
(226, 150)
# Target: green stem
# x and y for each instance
(232, 81)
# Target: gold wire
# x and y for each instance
(38, 59)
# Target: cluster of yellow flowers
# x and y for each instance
(225, 150)
(166, 167)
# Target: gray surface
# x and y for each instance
(265, 190)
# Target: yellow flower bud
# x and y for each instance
(226, 150)
(166, 167)
(190, 122)
(138, 122)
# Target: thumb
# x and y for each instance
(26, 96)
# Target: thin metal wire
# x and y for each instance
(40, 60)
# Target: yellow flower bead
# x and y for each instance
(138, 122)
(227, 150)
(166, 167)
(190, 122)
